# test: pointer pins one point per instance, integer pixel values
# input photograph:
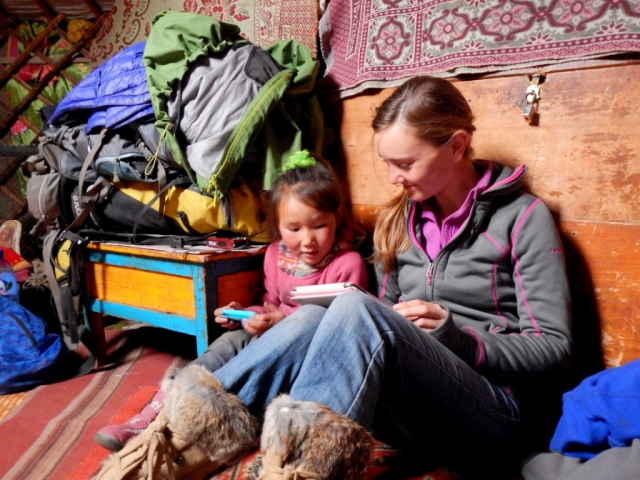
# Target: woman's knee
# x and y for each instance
(302, 322)
(361, 306)
(350, 301)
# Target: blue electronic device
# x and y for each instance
(237, 315)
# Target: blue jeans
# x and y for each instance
(224, 348)
(371, 364)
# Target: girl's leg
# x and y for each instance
(224, 348)
(113, 437)
(269, 366)
(265, 367)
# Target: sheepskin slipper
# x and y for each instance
(307, 440)
(201, 428)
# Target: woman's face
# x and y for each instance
(421, 168)
(309, 233)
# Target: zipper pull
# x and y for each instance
(430, 274)
(116, 167)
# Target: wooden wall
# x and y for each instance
(584, 162)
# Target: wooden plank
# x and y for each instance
(150, 251)
(161, 292)
(585, 143)
(583, 156)
(363, 172)
(244, 287)
(603, 261)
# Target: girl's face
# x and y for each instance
(307, 232)
(421, 168)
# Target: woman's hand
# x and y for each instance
(425, 315)
(261, 322)
(225, 322)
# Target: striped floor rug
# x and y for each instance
(47, 434)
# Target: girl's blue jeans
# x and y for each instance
(369, 363)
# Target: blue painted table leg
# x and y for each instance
(200, 299)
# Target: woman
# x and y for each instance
(474, 269)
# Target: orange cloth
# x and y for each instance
(21, 267)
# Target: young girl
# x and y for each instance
(306, 215)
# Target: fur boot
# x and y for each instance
(307, 440)
(201, 428)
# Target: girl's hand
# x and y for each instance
(225, 322)
(261, 322)
(428, 316)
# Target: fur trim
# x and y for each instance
(311, 436)
(200, 409)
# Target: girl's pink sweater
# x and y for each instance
(347, 266)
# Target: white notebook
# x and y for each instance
(324, 294)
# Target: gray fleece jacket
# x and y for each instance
(502, 279)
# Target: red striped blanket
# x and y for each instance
(49, 434)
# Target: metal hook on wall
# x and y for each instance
(531, 98)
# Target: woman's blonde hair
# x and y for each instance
(435, 109)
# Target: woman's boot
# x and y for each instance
(307, 440)
(201, 428)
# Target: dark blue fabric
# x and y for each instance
(113, 95)
(28, 355)
(600, 413)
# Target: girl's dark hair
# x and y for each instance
(434, 109)
(316, 186)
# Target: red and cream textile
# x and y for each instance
(378, 43)
(262, 22)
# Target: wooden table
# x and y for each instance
(175, 289)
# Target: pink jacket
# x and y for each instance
(347, 266)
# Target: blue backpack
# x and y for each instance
(29, 356)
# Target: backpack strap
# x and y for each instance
(86, 338)
(66, 288)
(159, 196)
(66, 295)
(88, 161)
(54, 286)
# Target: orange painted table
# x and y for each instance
(177, 289)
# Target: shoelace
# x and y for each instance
(287, 472)
(160, 452)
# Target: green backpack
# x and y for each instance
(284, 116)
